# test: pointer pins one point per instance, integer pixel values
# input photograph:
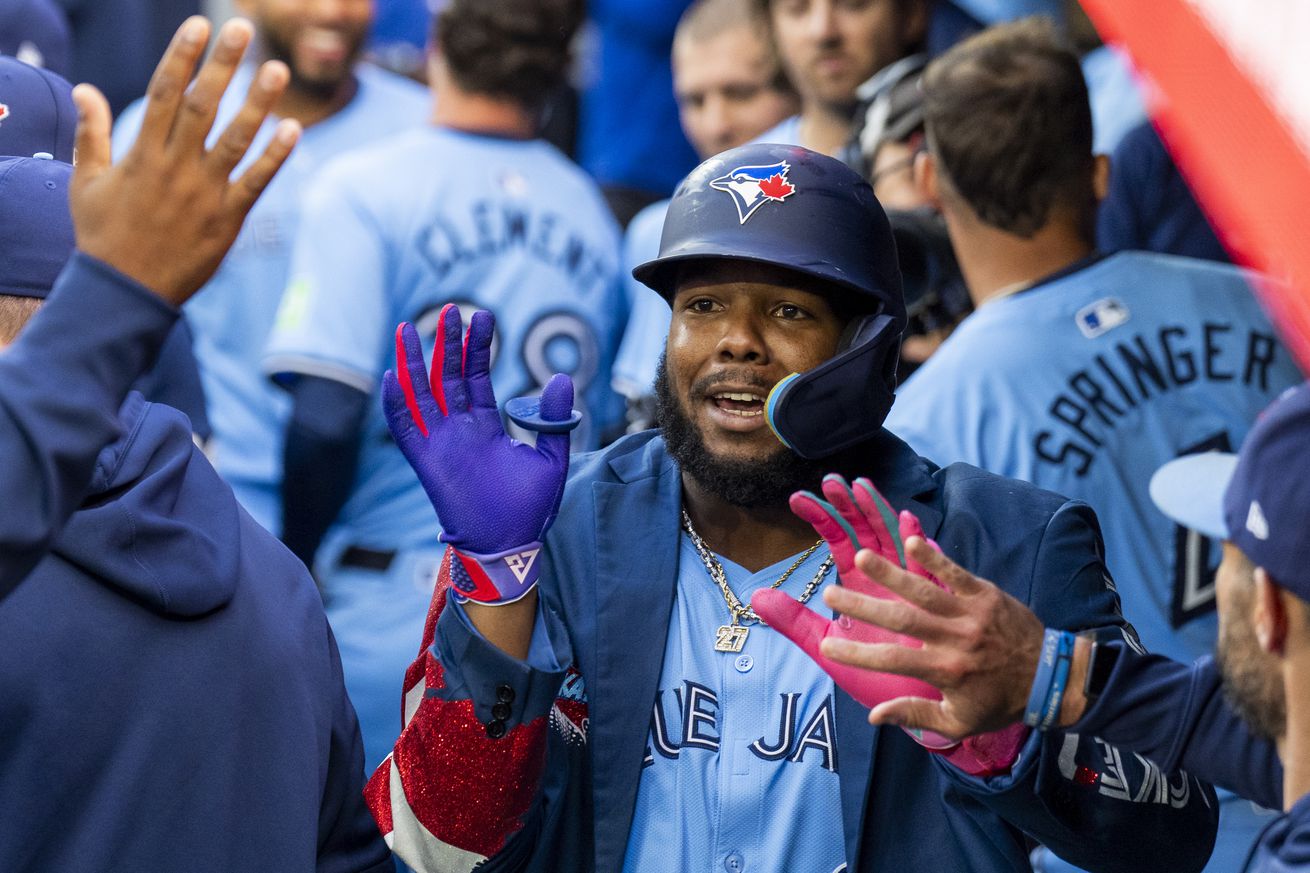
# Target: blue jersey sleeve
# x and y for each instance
(1176, 715)
(61, 384)
(334, 319)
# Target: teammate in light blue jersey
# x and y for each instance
(829, 48)
(1081, 374)
(341, 105)
(729, 86)
(472, 211)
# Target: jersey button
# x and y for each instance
(500, 711)
(734, 863)
(504, 694)
(495, 729)
(744, 663)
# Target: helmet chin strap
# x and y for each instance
(844, 400)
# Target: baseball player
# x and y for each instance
(170, 695)
(595, 690)
(473, 210)
(341, 104)
(1081, 374)
(1229, 718)
(730, 88)
(830, 47)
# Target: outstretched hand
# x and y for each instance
(495, 496)
(851, 519)
(167, 213)
(979, 645)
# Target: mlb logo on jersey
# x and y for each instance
(1101, 317)
(751, 187)
(4, 111)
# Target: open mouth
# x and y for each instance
(325, 45)
(743, 404)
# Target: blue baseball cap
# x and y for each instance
(37, 113)
(36, 31)
(36, 228)
(1257, 499)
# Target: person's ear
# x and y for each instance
(1269, 613)
(914, 27)
(925, 178)
(1100, 176)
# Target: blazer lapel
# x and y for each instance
(636, 576)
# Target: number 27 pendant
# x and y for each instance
(731, 638)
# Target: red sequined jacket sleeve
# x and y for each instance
(464, 774)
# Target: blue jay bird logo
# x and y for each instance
(752, 187)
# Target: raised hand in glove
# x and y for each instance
(854, 518)
(495, 496)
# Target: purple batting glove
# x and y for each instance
(495, 496)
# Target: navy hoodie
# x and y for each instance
(170, 694)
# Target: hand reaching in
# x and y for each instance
(167, 213)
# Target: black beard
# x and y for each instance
(1251, 682)
(321, 90)
(746, 483)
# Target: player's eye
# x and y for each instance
(701, 305)
(742, 93)
(790, 311)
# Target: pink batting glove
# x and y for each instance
(852, 519)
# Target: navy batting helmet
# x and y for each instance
(794, 208)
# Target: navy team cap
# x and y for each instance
(36, 31)
(36, 228)
(37, 114)
(1258, 499)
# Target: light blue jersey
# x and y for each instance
(741, 768)
(649, 314)
(394, 232)
(1085, 385)
(232, 316)
(785, 132)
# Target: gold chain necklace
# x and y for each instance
(732, 637)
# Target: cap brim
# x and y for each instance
(660, 274)
(1190, 490)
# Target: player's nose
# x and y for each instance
(717, 123)
(741, 337)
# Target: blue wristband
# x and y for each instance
(1055, 696)
(1051, 677)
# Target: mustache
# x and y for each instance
(707, 385)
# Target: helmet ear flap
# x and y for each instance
(844, 400)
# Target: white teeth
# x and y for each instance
(323, 40)
(742, 413)
(736, 396)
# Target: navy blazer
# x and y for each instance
(607, 588)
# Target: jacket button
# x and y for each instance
(496, 729)
(500, 711)
(504, 694)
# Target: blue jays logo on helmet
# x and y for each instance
(751, 187)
